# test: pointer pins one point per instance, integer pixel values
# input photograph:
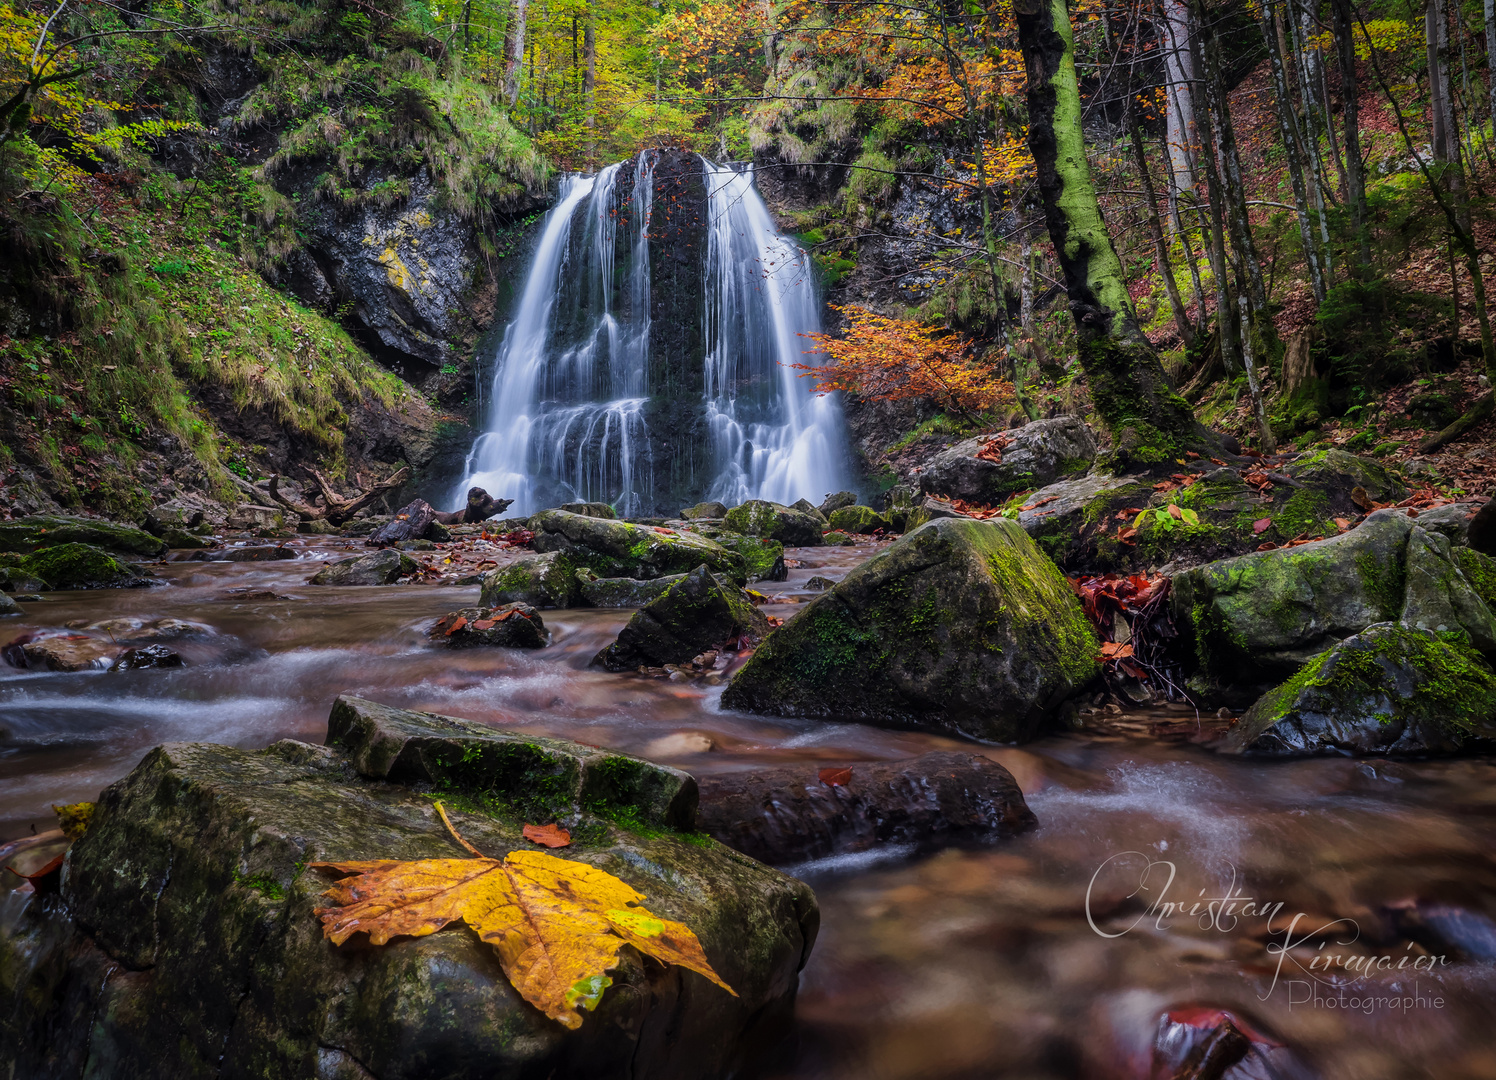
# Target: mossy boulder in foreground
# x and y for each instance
(185, 944)
(81, 566)
(622, 549)
(961, 626)
(1391, 689)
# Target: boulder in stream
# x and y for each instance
(832, 503)
(960, 626)
(147, 657)
(30, 534)
(1391, 689)
(758, 517)
(13, 579)
(8, 606)
(859, 520)
(695, 614)
(187, 944)
(377, 568)
(1259, 617)
(622, 592)
(763, 559)
(704, 511)
(788, 814)
(50, 651)
(542, 581)
(515, 626)
(411, 522)
(622, 549)
(987, 469)
(82, 566)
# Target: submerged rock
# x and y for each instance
(621, 549)
(1391, 689)
(1036, 454)
(208, 950)
(145, 657)
(542, 581)
(515, 626)
(378, 568)
(82, 566)
(1261, 616)
(265, 553)
(758, 517)
(786, 814)
(695, 614)
(961, 626)
(44, 531)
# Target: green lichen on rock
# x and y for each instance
(758, 517)
(763, 559)
(1480, 571)
(47, 530)
(961, 626)
(859, 520)
(837, 538)
(1387, 690)
(543, 581)
(79, 566)
(377, 568)
(695, 614)
(614, 549)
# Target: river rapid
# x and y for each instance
(1050, 956)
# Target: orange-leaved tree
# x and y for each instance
(887, 359)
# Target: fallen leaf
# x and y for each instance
(1267, 547)
(457, 625)
(1110, 650)
(1360, 498)
(835, 777)
(46, 880)
(1342, 524)
(1175, 512)
(556, 924)
(1261, 525)
(551, 836)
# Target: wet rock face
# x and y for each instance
(31, 534)
(60, 652)
(787, 814)
(147, 657)
(515, 626)
(542, 581)
(693, 615)
(1391, 689)
(961, 626)
(623, 592)
(82, 566)
(207, 959)
(858, 520)
(1036, 454)
(379, 568)
(1261, 616)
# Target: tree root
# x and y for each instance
(1480, 409)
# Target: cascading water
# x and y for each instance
(572, 401)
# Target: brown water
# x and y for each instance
(962, 964)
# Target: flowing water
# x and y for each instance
(961, 964)
(568, 415)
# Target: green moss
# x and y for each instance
(263, 884)
(1480, 571)
(1306, 511)
(78, 566)
(1385, 581)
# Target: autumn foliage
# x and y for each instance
(886, 359)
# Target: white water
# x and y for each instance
(567, 415)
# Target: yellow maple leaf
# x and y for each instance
(556, 924)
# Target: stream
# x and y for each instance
(1038, 958)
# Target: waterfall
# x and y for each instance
(571, 406)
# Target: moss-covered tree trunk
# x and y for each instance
(1148, 421)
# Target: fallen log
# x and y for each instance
(340, 509)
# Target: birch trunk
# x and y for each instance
(514, 50)
(1288, 124)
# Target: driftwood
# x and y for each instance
(1480, 408)
(308, 513)
(340, 510)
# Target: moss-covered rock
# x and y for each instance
(837, 538)
(542, 581)
(378, 568)
(82, 566)
(1036, 454)
(43, 531)
(202, 947)
(8, 606)
(622, 592)
(833, 503)
(13, 579)
(1390, 689)
(805, 506)
(1261, 616)
(695, 614)
(774, 521)
(763, 559)
(590, 509)
(1480, 572)
(859, 520)
(704, 511)
(623, 549)
(514, 626)
(961, 626)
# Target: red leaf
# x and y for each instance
(457, 625)
(552, 836)
(835, 777)
(1261, 525)
(46, 880)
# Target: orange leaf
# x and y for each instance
(835, 777)
(1261, 525)
(1175, 512)
(457, 625)
(1342, 524)
(551, 836)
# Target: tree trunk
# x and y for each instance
(589, 83)
(1148, 421)
(1436, 42)
(1308, 67)
(1288, 125)
(1491, 58)
(1355, 172)
(1161, 260)
(1179, 74)
(514, 50)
